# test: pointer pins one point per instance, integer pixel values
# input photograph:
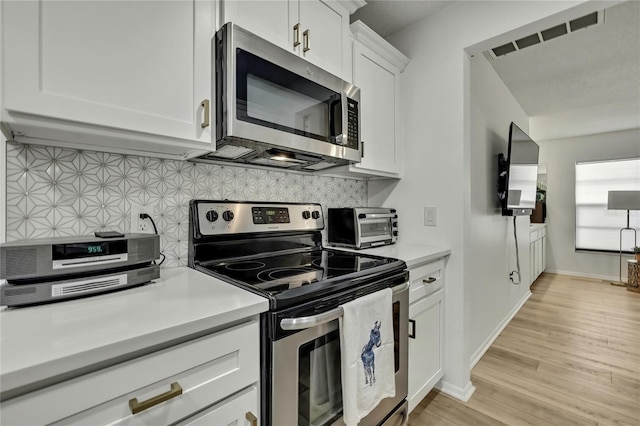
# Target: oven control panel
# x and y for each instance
(226, 217)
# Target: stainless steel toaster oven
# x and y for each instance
(362, 227)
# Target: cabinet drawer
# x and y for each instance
(208, 369)
(426, 279)
(237, 410)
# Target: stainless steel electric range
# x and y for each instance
(275, 250)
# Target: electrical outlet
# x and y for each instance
(430, 216)
(137, 223)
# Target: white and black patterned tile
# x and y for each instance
(58, 191)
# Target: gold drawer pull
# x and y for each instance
(205, 104)
(252, 418)
(137, 407)
(429, 280)
(296, 35)
(306, 44)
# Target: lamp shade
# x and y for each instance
(623, 200)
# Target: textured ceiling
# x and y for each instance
(581, 83)
(594, 73)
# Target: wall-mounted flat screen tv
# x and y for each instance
(518, 174)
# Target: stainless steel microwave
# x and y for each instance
(362, 227)
(273, 108)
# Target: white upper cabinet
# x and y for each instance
(317, 30)
(124, 76)
(376, 71)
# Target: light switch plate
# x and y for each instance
(430, 216)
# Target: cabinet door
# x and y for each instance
(273, 20)
(326, 24)
(425, 349)
(544, 254)
(133, 65)
(237, 410)
(379, 85)
(532, 262)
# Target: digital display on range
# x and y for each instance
(269, 215)
(80, 250)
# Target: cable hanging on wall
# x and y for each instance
(515, 237)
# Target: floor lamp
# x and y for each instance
(624, 200)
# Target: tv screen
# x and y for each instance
(519, 195)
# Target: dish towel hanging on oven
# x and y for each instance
(366, 341)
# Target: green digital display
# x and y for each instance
(94, 249)
(270, 212)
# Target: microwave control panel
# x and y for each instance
(352, 124)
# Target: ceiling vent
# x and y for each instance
(594, 18)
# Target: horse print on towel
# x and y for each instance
(368, 357)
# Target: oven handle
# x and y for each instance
(325, 317)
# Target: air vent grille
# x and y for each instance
(88, 285)
(594, 18)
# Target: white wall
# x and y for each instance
(3, 157)
(435, 92)
(560, 156)
(490, 246)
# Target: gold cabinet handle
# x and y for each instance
(296, 35)
(205, 104)
(305, 39)
(137, 407)
(429, 280)
(252, 418)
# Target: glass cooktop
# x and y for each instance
(282, 272)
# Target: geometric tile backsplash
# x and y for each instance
(55, 192)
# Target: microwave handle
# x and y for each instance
(341, 139)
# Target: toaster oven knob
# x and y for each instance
(315, 215)
(306, 214)
(227, 215)
(395, 224)
(395, 233)
(212, 215)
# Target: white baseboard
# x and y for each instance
(583, 275)
(463, 394)
(493, 336)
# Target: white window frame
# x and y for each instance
(596, 227)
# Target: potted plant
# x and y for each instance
(636, 252)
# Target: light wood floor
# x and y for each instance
(571, 356)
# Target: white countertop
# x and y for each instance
(44, 341)
(412, 254)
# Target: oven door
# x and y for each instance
(306, 378)
(376, 228)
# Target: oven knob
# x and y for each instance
(306, 214)
(227, 215)
(212, 215)
(395, 224)
(315, 215)
(395, 233)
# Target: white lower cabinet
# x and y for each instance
(240, 410)
(426, 330)
(537, 252)
(210, 380)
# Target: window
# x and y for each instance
(596, 227)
